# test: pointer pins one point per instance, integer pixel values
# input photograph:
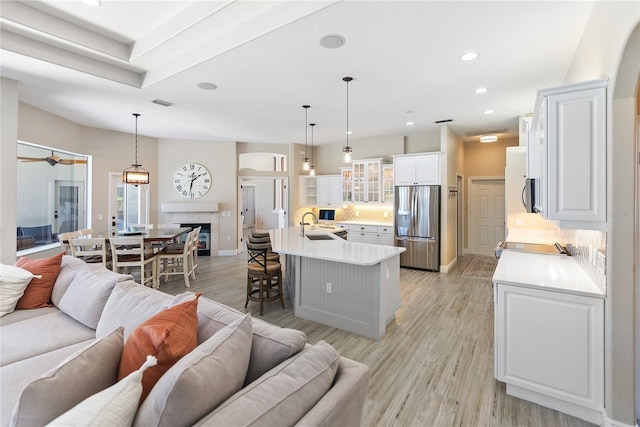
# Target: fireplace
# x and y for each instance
(204, 241)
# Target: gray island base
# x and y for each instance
(351, 286)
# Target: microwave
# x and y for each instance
(530, 194)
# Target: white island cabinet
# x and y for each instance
(549, 333)
(350, 286)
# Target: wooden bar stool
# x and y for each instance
(264, 278)
(262, 243)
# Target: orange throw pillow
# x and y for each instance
(38, 292)
(168, 336)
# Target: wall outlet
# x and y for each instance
(520, 222)
(228, 238)
(100, 217)
(357, 213)
(386, 214)
(387, 273)
(329, 286)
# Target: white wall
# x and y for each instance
(8, 137)
(612, 27)
(221, 160)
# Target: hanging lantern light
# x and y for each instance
(135, 174)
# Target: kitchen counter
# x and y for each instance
(549, 272)
(345, 285)
(290, 241)
(374, 223)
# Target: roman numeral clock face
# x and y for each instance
(192, 180)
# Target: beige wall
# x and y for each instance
(328, 158)
(8, 153)
(423, 142)
(448, 221)
(610, 47)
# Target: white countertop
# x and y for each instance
(376, 223)
(289, 241)
(549, 272)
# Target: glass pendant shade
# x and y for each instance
(347, 154)
(135, 174)
(312, 170)
(305, 164)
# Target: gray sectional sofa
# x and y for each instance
(288, 381)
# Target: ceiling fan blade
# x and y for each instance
(31, 159)
(72, 162)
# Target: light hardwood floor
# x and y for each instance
(434, 365)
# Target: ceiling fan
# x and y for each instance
(53, 160)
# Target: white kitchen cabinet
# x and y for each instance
(329, 190)
(549, 348)
(385, 236)
(308, 190)
(372, 234)
(568, 154)
(346, 174)
(419, 169)
(387, 183)
(367, 181)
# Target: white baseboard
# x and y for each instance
(448, 267)
(608, 422)
(228, 252)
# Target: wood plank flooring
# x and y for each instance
(434, 365)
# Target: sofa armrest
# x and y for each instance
(342, 405)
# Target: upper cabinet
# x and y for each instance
(417, 169)
(387, 183)
(346, 174)
(329, 190)
(568, 154)
(367, 181)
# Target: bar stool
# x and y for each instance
(262, 243)
(264, 278)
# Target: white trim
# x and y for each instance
(608, 422)
(190, 207)
(228, 252)
(447, 268)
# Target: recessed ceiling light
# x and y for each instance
(332, 41)
(92, 2)
(488, 138)
(489, 112)
(409, 123)
(481, 90)
(469, 56)
(207, 86)
(349, 132)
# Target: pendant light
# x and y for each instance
(312, 168)
(346, 149)
(305, 162)
(135, 174)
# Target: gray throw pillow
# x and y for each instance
(86, 297)
(283, 395)
(201, 380)
(84, 373)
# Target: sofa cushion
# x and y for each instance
(129, 305)
(40, 334)
(86, 297)
(20, 315)
(284, 394)
(69, 267)
(16, 376)
(271, 344)
(38, 292)
(113, 406)
(168, 336)
(13, 282)
(201, 380)
(81, 375)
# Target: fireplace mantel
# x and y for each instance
(190, 207)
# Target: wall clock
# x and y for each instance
(192, 180)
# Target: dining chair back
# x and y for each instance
(91, 250)
(64, 240)
(85, 232)
(195, 245)
(176, 259)
(128, 252)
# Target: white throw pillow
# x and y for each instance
(114, 406)
(13, 282)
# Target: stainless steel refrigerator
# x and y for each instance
(417, 226)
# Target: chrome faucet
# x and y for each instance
(302, 223)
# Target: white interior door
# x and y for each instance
(487, 215)
(69, 206)
(249, 205)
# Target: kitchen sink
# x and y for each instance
(319, 237)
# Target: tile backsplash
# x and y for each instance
(589, 249)
(363, 213)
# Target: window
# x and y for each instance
(52, 194)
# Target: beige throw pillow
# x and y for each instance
(79, 376)
(201, 380)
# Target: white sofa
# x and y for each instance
(305, 384)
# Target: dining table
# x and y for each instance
(155, 235)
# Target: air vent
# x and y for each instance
(444, 121)
(163, 103)
(485, 132)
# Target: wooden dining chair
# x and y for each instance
(195, 245)
(175, 259)
(128, 252)
(85, 232)
(264, 278)
(92, 250)
(64, 240)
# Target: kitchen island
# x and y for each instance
(350, 286)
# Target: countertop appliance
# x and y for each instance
(538, 248)
(417, 226)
